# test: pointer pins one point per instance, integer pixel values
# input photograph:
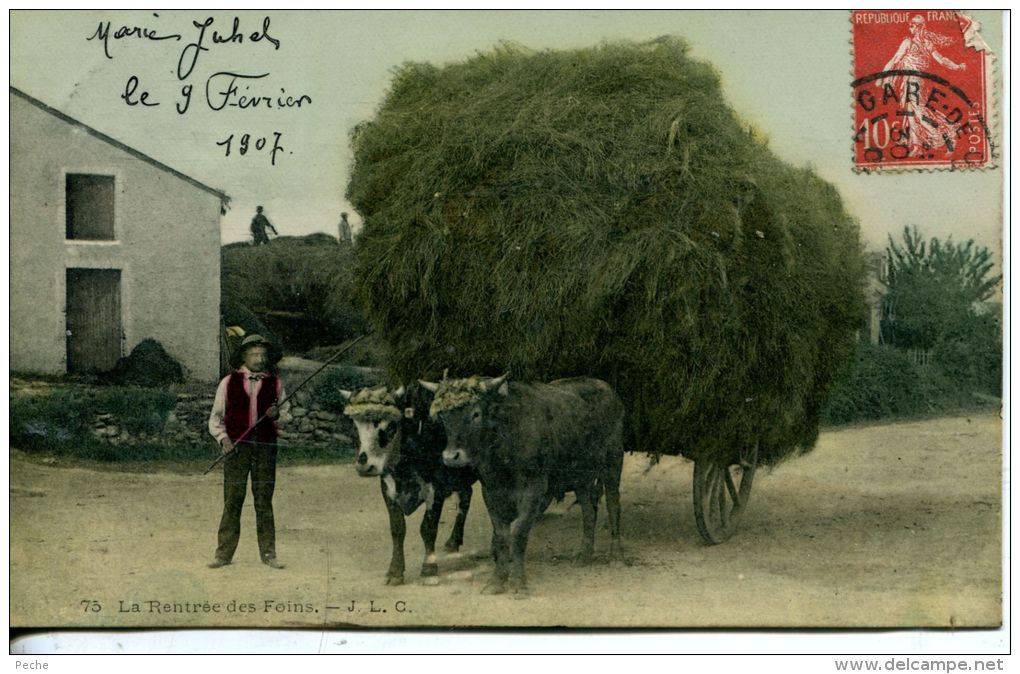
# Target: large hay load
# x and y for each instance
(603, 212)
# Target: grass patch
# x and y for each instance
(67, 413)
(60, 421)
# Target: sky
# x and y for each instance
(786, 73)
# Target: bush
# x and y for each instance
(603, 212)
(46, 421)
(970, 353)
(61, 422)
(885, 383)
(327, 389)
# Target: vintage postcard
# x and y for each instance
(336, 320)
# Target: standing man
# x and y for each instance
(243, 397)
(258, 227)
(346, 235)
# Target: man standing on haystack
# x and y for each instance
(346, 234)
(258, 227)
(248, 394)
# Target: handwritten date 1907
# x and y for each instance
(247, 142)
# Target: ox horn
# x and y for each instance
(497, 382)
(345, 394)
(430, 385)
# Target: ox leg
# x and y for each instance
(429, 530)
(395, 575)
(501, 513)
(587, 497)
(611, 481)
(530, 506)
(457, 535)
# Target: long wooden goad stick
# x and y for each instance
(241, 438)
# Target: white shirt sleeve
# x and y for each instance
(217, 424)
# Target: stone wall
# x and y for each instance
(311, 422)
(312, 426)
(309, 425)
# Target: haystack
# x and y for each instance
(604, 212)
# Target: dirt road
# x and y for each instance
(890, 525)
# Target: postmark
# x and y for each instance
(921, 98)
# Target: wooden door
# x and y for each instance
(93, 319)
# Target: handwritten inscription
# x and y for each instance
(221, 91)
(105, 32)
(246, 142)
(131, 98)
(190, 54)
(224, 90)
(104, 35)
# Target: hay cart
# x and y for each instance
(721, 492)
(602, 212)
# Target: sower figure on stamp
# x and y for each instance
(926, 127)
(243, 397)
(258, 227)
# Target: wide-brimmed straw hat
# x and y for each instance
(257, 340)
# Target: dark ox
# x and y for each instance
(403, 447)
(531, 443)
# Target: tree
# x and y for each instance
(934, 288)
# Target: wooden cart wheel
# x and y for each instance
(721, 492)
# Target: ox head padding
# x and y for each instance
(377, 415)
(462, 404)
(452, 394)
(374, 404)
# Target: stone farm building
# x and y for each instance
(108, 247)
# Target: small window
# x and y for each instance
(89, 207)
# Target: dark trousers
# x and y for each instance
(260, 461)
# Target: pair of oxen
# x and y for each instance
(527, 443)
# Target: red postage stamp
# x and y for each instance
(920, 91)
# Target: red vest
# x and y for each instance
(238, 404)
